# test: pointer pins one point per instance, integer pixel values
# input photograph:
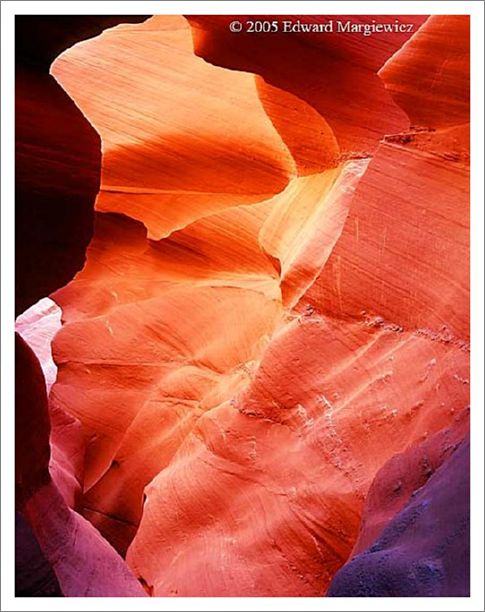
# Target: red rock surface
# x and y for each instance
(274, 304)
(425, 547)
(83, 562)
(57, 158)
(57, 177)
(430, 77)
(34, 577)
(325, 71)
(32, 425)
(397, 482)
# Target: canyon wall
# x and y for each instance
(260, 269)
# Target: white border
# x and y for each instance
(243, 7)
(8, 10)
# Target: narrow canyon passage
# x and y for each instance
(261, 365)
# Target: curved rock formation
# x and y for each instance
(425, 548)
(273, 310)
(169, 165)
(57, 177)
(83, 563)
(34, 576)
(57, 162)
(57, 158)
(325, 71)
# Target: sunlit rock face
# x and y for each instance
(270, 329)
(38, 325)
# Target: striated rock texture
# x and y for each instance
(263, 365)
(424, 549)
(57, 177)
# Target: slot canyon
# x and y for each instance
(242, 294)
